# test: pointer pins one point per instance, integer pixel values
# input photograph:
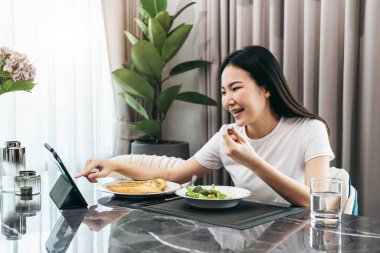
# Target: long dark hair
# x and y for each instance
(263, 67)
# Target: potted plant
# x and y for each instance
(143, 77)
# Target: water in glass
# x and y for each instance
(326, 201)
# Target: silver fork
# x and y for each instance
(193, 179)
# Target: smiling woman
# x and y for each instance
(71, 106)
(271, 150)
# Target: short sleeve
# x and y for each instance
(209, 155)
(317, 141)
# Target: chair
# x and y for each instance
(349, 193)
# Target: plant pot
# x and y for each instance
(178, 149)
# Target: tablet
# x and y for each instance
(74, 198)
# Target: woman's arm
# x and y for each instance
(180, 174)
(289, 188)
(238, 149)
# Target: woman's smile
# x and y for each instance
(237, 112)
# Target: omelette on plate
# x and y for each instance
(156, 185)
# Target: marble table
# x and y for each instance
(36, 225)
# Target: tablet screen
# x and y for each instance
(60, 164)
(66, 175)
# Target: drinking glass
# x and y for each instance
(326, 201)
(325, 240)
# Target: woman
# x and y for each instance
(273, 149)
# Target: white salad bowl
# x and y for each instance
(235, 195)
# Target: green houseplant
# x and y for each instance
(142, 79)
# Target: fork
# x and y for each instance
(193, 179)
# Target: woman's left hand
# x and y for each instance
(238, 148)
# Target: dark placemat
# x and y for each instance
(245, 215)
(113, 201)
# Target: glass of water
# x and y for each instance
(326, 201)
(325, 239)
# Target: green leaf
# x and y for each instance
(133, 83)
(131, 37)
(157, 34)
(11, 86)
(4, 75)
(170, 33)
(22, 86)
(144, 14)
(143, 27)
(149, 127)
(152, 7)
(166, 98)
(186, 66)
(175, 41)
(196, 98)
(164, 19)
(181, 10)
(147, 59)
(5, 87)
(134, 104)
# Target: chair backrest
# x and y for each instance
(349, 193)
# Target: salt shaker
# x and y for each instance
(12, 163)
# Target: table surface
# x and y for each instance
(36, 225)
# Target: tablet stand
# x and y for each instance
(65, 196)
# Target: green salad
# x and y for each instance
(202, 193)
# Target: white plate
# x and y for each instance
(235, 193)
(171, 188)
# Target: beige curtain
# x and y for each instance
(330, 53)
(119, 17)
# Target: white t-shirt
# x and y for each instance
(292, 143)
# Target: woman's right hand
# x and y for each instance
(96, 168)
(238, 148)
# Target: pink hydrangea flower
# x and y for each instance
(16, 65)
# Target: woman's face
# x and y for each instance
(242, 97)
